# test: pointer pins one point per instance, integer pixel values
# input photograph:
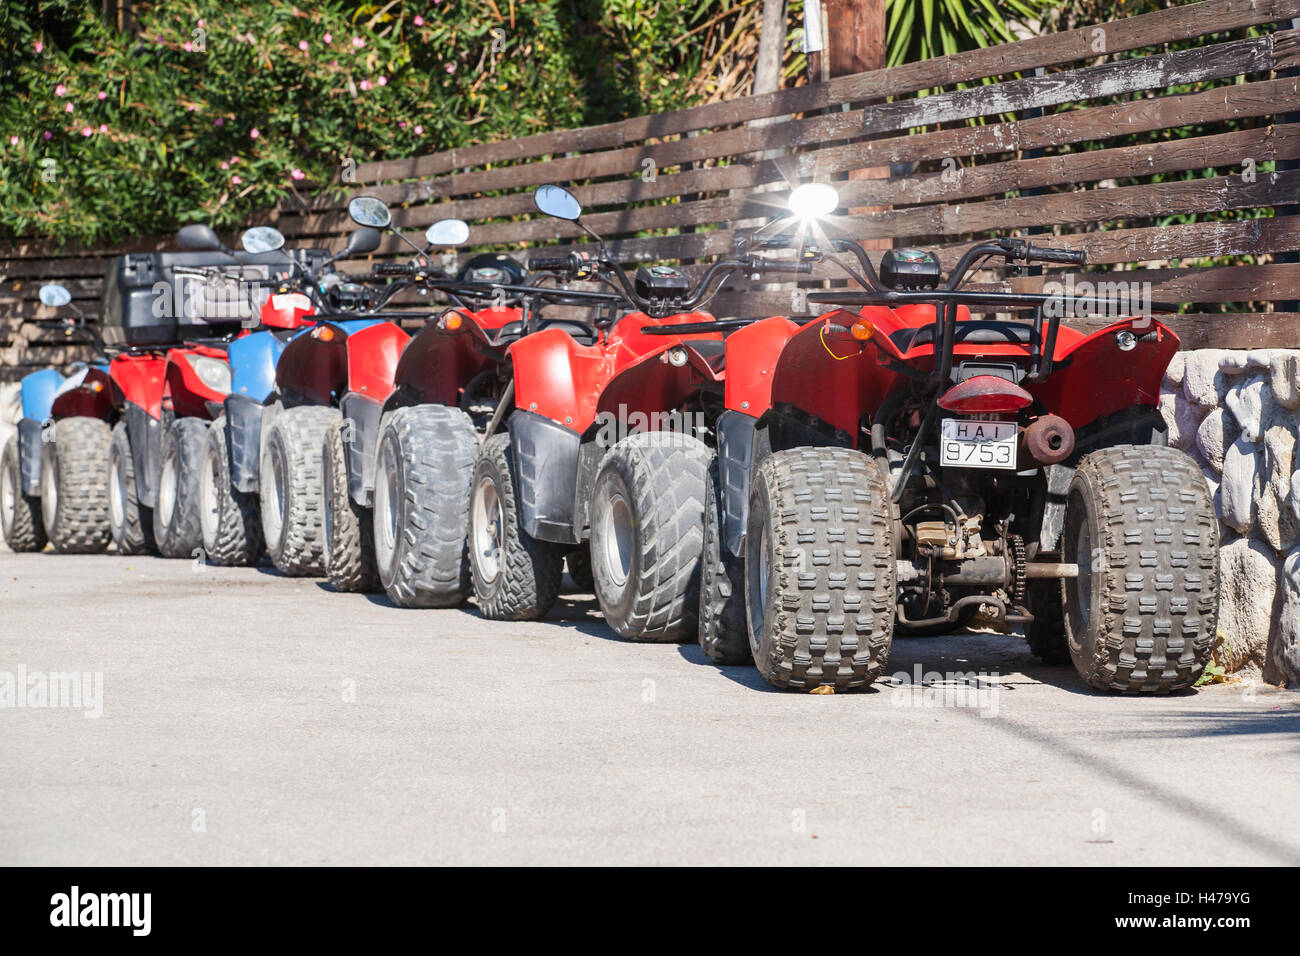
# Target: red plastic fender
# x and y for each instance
(752, 354)
(1100, 378)
(92, 399)
(558, 378)
(437, 363)
(138, 379)
(313, 367)
(373, 354)
(184, 393)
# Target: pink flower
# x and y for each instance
(13, 140)
(86, 131)
(302, 45)
(451, 67)
(328, 38)
(418, 21)
(102, 95)
(39, 46)
(103, 127)
(225, 165)
(382, 81)
(419, 131)
(298, 174)
(68, 109)
(236, 180)
(60, 90)
(358, 43)
(189, 47)
(401, 124)
(233, 160)
(253, 134)
(49, 135)
(365, 84)
(203, 23)
(220, 121)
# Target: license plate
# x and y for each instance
(971, 444)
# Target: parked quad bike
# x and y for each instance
(77, 396)
(552, 481)
(905, 464)
(121, 438)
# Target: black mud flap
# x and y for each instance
(145, 436)
(546, 474)
(30, 435)
(244, 441)
(735, 462)
(361, 417)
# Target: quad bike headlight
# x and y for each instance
(814, 200)
(213, 373)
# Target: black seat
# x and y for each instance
(581, 333)
(972, 331)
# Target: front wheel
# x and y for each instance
(1141, 616)
(20, 514)
(74, 485)
(176, 526)
(422, 490)
(230, 518)
(647, 531)
(349, 544)
(130, 521)
(819, 569)
(516, 576)
(292, 490)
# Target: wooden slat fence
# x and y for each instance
(1063, 134)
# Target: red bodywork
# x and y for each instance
(822, 369)
(156, 381)
(91, 399)
(319, 366)
(571, 383)
(440, 360)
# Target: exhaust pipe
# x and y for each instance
(1048, 441)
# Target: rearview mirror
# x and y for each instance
(55, 295)
(370, 211)
(198, 238)
(261, 239)
(447, 232)
(361, 241)
(557, 201)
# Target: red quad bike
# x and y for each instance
(453, 384)
(550, 475)
(321, 425)
(908, 465)
(121, 465)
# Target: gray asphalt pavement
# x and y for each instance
(249, 718)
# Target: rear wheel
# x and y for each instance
(292, 489)
(647, 531)
(131, 523)
(349, 544)
(578, 563)
(1046, 632)
(819, 569)
(74, 486)
(20, 514)
(516, 576)
(176, 527)
(231, 519)
(1142, 614)
(722, 632)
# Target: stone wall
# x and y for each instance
(1238, 414)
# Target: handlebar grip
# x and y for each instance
(769, 265)
(1065, 256)
(549, 263)
(394, 269)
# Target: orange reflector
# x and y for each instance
(96, 386)
(324, 333)
(451, 321)
(863, 330)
